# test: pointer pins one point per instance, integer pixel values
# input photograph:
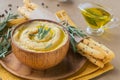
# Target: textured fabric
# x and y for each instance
(5, 75)
(90, 72)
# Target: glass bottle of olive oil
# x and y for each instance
(96, 17)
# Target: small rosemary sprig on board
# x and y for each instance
(73, 32)
(5, 43)
(5, 46)
(3, 24)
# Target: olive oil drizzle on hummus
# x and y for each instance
(27, 36)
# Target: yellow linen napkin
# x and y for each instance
(90, 72)
(5, 75)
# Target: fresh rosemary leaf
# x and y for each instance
(2, 55)
(73, 31)
(11, 16)
(8, 46)
(80, 34)
(73, 43)
(45, 33)
(1, 48)
(3, 24)
(5, 46)
(42, 32)
(5, 49)
(8, 34)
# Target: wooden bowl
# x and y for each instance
(41, 60)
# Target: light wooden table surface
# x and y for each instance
(110, 38)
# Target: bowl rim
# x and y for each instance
(44, 20)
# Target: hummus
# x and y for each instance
(26, 36)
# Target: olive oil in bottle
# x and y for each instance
(96, 17)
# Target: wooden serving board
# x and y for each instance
(71, 64)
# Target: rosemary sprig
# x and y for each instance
(42, 32)
(5, 46)
(73, 31)
(5, 43)
(3, 24)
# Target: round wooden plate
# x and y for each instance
(71, 64)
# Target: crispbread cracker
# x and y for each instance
(62, 16)
(95, 61)
(94, 46)
(27, 8)
(28, 4)
(24, 11)
(90, 51)
(109, 55)
(108, 51)
(16, 21)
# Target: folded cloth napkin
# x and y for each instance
(91, 71)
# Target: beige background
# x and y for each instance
(111, 37)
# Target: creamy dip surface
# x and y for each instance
(26, 36)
